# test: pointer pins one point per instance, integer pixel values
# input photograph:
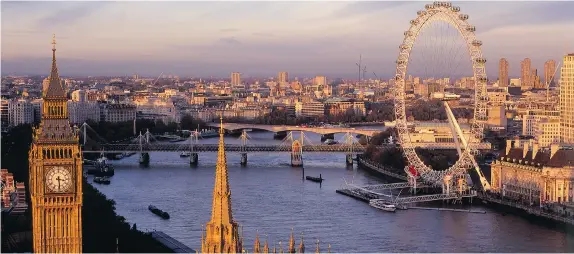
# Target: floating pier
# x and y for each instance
(448, 209)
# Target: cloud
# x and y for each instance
(229, 41)
(367, 7)
(70, 15)
(228, 30)
(263, 34)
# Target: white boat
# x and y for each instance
(185, 154)
(383, 206)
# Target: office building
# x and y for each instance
(503, 73)
(567, 99)
(283, 77)
(526, 73)
(235, 78)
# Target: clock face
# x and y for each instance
(59, 179)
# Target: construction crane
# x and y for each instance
(548, 83)
(377, 77)
(152, 84)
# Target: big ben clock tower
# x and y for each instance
(56, 174)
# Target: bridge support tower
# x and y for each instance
(349, 141)
(193, 156)
(193, 159)
(243, 159)
(144, 157)
(297, 154)
(349, 159)
(244, 138)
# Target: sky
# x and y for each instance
(203, 39)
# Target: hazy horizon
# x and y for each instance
(203, 39)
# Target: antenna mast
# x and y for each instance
(359, 65)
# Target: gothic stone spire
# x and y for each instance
(222, 232)
(257, 244)
(266, 246)
(301, 245)
(291, 243)
(55, 89)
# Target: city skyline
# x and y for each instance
(260, 39)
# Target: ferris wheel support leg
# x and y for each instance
(453, 124)
(483, 181)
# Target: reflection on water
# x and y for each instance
(271, 197)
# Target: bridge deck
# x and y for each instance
(181, 147)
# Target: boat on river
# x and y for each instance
(315, 179)
(102, 180)
(101, 168)
(184, 154)
(388, 207)
(208, 133)
(175, 140)
(158, 212)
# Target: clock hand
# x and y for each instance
(58, 178)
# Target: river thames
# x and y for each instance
(270, 197)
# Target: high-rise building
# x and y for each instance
(549, 70)
(503, 73)
(20, 112)
(283, 77)
(567, 99)
(55, 182)
(235, 78)
(526, 73)
(4, 112)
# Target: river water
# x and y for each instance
(270, 197)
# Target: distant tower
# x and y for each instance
(55, 160)
(566, 99)
(525, 74)
(283, 77)
(535, 79)
(235, 78)
(320, 81)
(222, 232)
(549, 68)
(503, 73)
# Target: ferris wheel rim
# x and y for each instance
(445, 12)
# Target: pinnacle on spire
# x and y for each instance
(257, 244)
(55, 89)
(266, 246)
(53, 42)
(301, 245)
(291, 243)
(317, 249)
